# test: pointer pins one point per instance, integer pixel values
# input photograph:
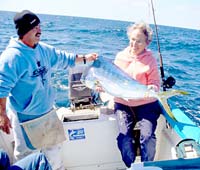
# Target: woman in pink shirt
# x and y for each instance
(139, 63)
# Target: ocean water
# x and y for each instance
(180, 49)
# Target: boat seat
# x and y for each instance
(136, 135)
(79, 95)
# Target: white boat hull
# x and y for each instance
(97, 148)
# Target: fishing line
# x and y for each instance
(170, 80)
(158, 46)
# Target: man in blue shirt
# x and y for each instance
(26, 67)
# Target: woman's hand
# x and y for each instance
(153, 88)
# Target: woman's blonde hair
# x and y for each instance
(142, 26)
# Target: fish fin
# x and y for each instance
(163, 96)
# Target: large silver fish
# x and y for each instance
(117, 83)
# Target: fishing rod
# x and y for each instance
(170, 81)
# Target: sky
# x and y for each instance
(179, 13)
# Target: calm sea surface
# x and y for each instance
(180, 49)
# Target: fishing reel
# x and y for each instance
(169, 82)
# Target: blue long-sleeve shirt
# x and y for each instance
(25, 77)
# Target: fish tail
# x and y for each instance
(166, 107)
(163, 96)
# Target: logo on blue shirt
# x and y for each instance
(41, 71)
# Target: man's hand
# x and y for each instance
(5, 124)
(91, 56)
